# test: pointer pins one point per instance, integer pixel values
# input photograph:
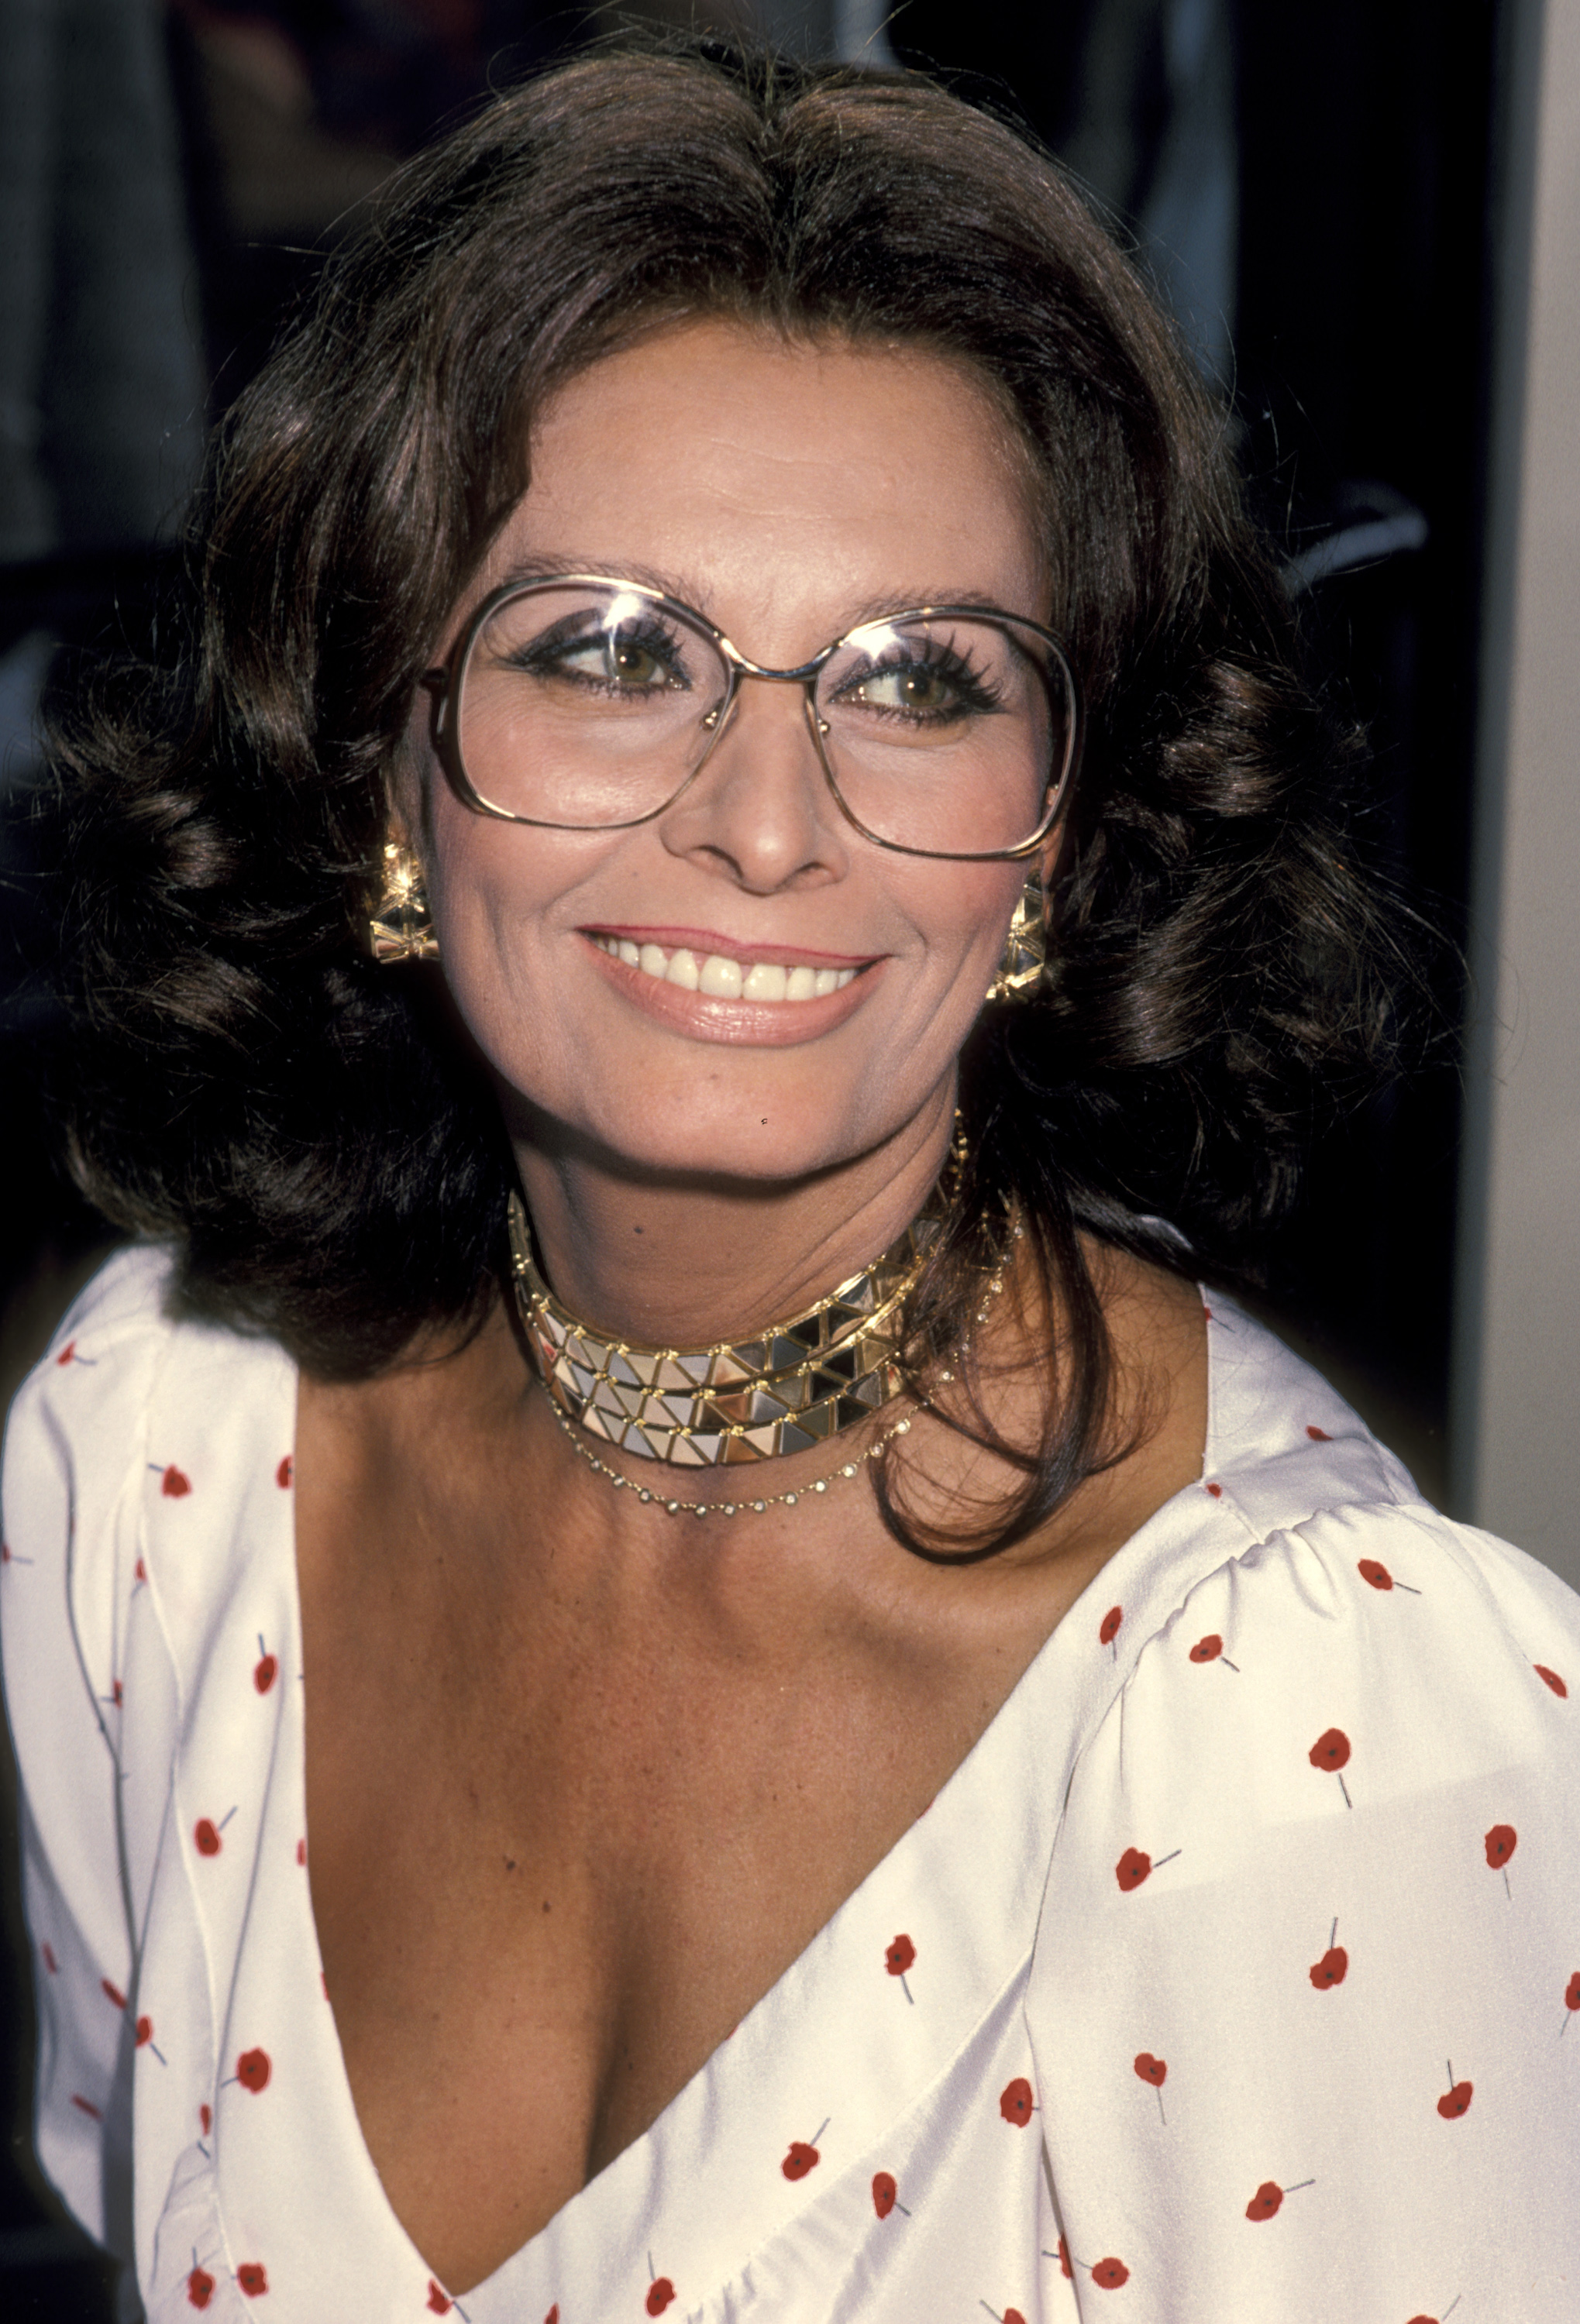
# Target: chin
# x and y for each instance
(759, 1147)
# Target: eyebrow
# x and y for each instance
(693, 592)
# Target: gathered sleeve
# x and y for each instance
(70, 1622)
(1305, 1999)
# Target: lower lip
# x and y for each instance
(752, 1024)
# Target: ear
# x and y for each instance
(401, 926)
(403, 816)
(1045, 863)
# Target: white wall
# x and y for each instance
(1516, 1422)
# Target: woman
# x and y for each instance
(994, 1793)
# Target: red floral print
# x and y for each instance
(803, 2156)
(87, 2107)
(50, 1963)
(205, 1837)
(251, 2278)
(252, 2069)
(285, 1473)
(900, 1955)
(1456, 2100)
(1501, 1844)
(1132, 1868)
(1551, 1678)
(1330, 1754)
(113, 1992)
(1331, 1969)
(1207, 1649)
(1372, 1571)
(885, 2192)
(1217, 1493)
(143, 2031)
(660, 2292)
(200, 2288)
(175, 1484)
(1267, 2200)
(1155, 2071)
(264, 1672)
(1065, 2269)
(1109, 1629)
(1015, 2101)
(1571, 1992)
(1318, 1436)
(1110, 2273)
(437, 2301)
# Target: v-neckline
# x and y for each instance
(891, 1987)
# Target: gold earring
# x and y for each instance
(401, 927)
(1025, 947)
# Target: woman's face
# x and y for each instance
(787, 491)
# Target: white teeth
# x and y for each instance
(725, 979)
(721, 979)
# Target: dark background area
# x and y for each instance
(1356, 139)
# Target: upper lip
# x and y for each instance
(704, 941)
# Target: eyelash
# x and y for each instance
(652, 636)
(648, 637)
(976, 692)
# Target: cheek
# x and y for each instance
(488, 900)
(971, 911)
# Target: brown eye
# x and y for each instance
(914, 690)
(924, 689)
(635, 664)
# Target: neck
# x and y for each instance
(687, 1261)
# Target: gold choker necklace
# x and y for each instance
(785, 1390)
(758, 1503)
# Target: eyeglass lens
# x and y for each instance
(589, 705)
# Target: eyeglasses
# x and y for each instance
(587, 702)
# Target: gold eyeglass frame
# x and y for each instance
(444, 682)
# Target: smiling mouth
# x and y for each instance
(718, 977)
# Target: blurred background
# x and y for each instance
(1365, 215)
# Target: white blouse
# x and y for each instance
(1234, 1976)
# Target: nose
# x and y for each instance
(759, 810)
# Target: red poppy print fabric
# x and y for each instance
(1356, 1905)
(1232, 1975)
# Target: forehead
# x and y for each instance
(768, 479)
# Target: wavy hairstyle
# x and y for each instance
(314, 1132)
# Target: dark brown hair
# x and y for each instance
(314, 1130)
